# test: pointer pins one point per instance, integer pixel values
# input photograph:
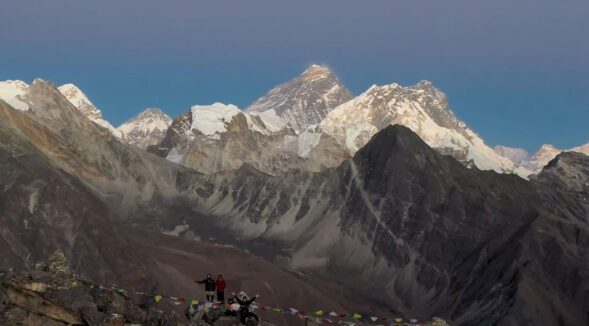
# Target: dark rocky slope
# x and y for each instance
(422, 232)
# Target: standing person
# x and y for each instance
(221, 285)
(209, 287)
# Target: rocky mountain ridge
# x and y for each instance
(82, 103)
(220, 137)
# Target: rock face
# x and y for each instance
(146, 129)
(301, 102)
(569, 171)
(220, 137)
(16, 94)
(82, 103)
(49, 297)
(423, 109)
(50, 205)
(78, 146)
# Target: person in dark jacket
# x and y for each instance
(221, 285)
(210, 285)
(245, 302)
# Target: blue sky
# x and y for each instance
(517, 72)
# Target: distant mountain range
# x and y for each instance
(382, 203)
(535, 163)
(311, 122)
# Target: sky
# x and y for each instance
(517, 72)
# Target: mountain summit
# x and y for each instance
(147, 128)
(303, 101)
(422, 108)
(78, 99)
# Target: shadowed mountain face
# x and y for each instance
(422, 232)
(397, 226)
(486, 243)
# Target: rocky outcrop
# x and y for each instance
(58, 297)
(568, 171)
(245, 139)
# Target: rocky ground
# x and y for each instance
(53, 295)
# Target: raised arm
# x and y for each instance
(250, 301)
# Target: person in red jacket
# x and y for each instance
(221, 285)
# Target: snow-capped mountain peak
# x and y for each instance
(301, 102)
(14, 92)
(147, 128)
(547, 149)
(212, 119)
(422, 108)
(584, 149)
(547, 153)
(316, 71)
(78, 99)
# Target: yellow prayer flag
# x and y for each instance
(158, 298)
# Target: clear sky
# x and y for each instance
(516, 71)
